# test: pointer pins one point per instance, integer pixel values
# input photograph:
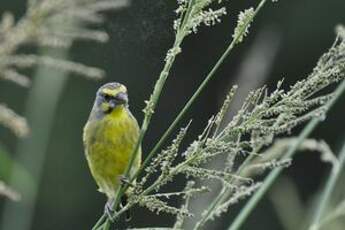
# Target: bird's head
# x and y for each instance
(111, 96)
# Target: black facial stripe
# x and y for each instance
(107, 97)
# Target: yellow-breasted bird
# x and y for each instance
(110, 136)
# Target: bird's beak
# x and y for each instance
(120, 99)
(112, 103)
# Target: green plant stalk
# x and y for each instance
(221, 195)
(147, 119)
(99, 222)
(148, 115)
(251, 204)
(173, 172)
(41, 105)
(220, 198)
(150, 189)
(187, 106)
(158, 87)
(209, 210)
(106, 224)
(155, 97)
(202, 86)
(329, 187)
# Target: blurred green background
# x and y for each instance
(301, 30)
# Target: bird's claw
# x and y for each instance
(109, 210)
(125, 180)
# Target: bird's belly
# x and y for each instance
(109, 152)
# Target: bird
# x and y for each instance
(110, 136)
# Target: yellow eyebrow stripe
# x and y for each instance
(114, 92)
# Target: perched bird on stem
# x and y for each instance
(110, 136)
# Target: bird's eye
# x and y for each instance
(107, 97)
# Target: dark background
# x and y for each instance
(139, 38)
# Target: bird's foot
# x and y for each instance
(125, 181)
(109, 210)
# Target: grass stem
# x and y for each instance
(329, 188)
(156, 94)
(251, 204)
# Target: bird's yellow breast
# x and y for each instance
(109, 143)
